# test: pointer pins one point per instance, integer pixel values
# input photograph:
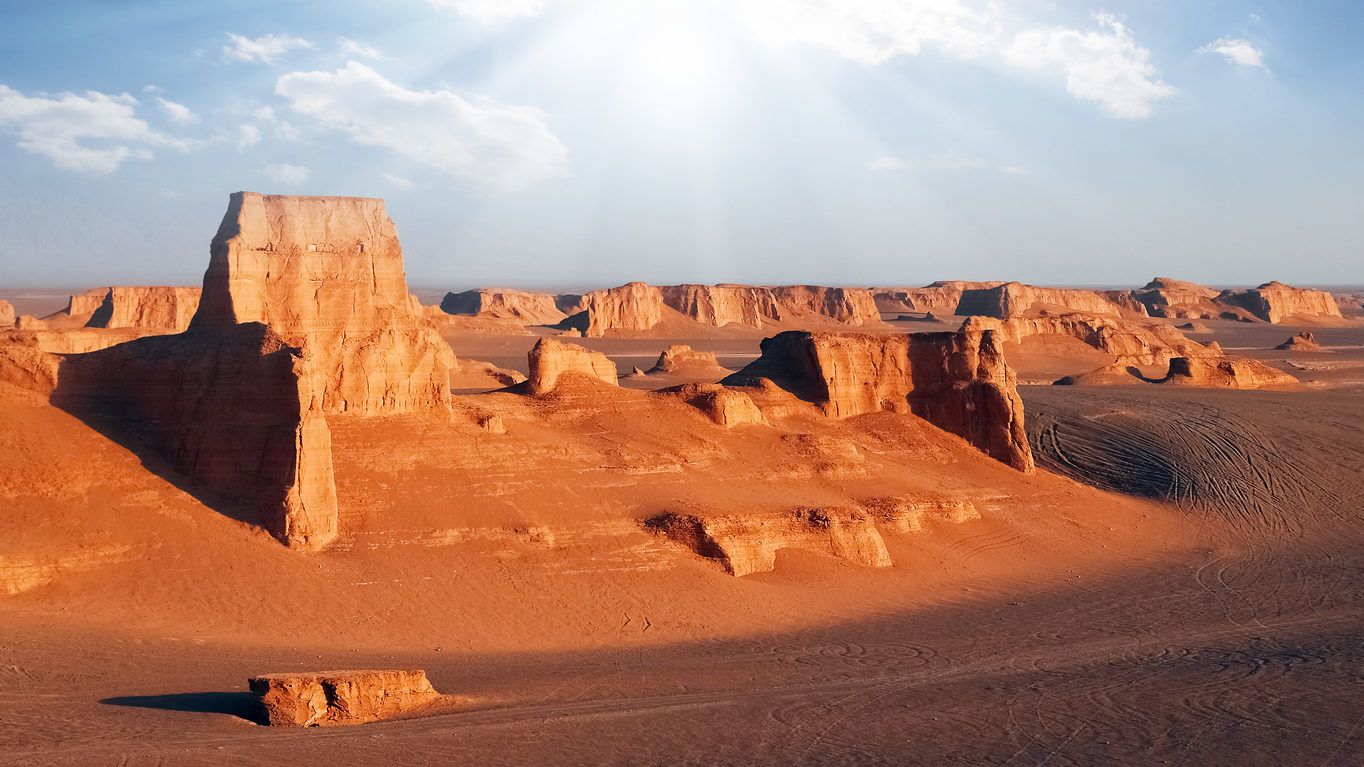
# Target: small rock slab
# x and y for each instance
(330, 698)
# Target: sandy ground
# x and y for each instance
(1185, 586)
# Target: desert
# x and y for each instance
(680, 383)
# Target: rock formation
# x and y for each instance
(939, 297)
(326, 274)
(550, 360)
(846, 306)
(74, 340)
(721, 305)
(1226, 373)
(1013, 299)
(748, 544)
(1195, 327)
(723, 405)
(330, 698)
(635, 306)
(146, 308)
(679, 359)
(496, 303)
(959, 382)
(235, 409)
(25, 366)
(85, 304)
(1129, 341)
(1274, 302)
(1166, 297)
(1302, 342)
(639, 307)
(7, 315)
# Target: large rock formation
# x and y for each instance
(635, 306)
(329, 698)
(7, 315)
(846, 306)
(1129, 341)
(1274, 302)
(1226, 373)
(25, 366)
(85, 304)
(326, 274)
(959, 382)
(721, 305)
(550, 360)
(496, 303)
(148, 308)
(1014, 299)
(235, 409)
(939, 297)
(1167, 297)
(680, 359)
(639, 307)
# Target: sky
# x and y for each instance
(586, 143)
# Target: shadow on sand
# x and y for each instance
(242, 705)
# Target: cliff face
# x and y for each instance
(551, 359)
(721, 305)
(1130, 341)
(848, 306)
(1013, 299)
(959, 382)
(7, 315)
(495, 303)
(680, 358)
(635, 306)
(1274, 302)
(234, 409)
(1166, 297)
(147, 308)
(326, 274)
(1226, 373)
(639, 307)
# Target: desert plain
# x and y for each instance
(960, 523)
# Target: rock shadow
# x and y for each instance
(242, 705)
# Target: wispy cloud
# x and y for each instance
(939, 161)
(351, 47)
(490, 11)
(91, 131)
(496, 146)
(284, 173)
(396, 181)
(248, 136)
(1237, 51)
(178, 113)
(266, 49)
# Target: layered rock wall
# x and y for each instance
(721, 305)
(1129, 341)
(1226, 373)
(1275, 302)
(495, 303)
(550, 360)
(145, 308)
(1013, 299)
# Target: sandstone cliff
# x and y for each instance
(551, 359)
(1274, 302)
(1166, 297)
(639, 307)
(326, 274)
(149, 308)
(496, 303)
(235, 409)
(680, 359)
(7, 315)
(1226, 373)
(635, 306)
(1129, 341)
(959, 382)
(939, 297)
(1013, 299)
(721, 305)
(723, 405)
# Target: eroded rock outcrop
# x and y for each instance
(959, 382)
(1129, 341)
(747, 544)
(680, 358)
(326, 274)
(331, 698)
(1014, 299)
(723, 405)
(7, 315)
(497, 303)
(550, 360)
(235, 409)
(1167, 297)
(1305, 341)
(25, 366)
(1274, 302)
(721, 305)
(941, 297)
(146, 308)
(639, 307)
(1226, 373)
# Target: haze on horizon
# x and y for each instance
(587, 142)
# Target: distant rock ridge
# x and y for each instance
(497, 303)
(150, 308)
(1129, 341)
(1014, 299)
(1274, 302)
(958, 382)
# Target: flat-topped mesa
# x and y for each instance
(497, 303)
(550, 360)
(326, 274)
(635, 306)
(234, 409)
(1132, 341)
(149, 308)
(958, 382)
(1274, 302)
(1014, 299)
(331, 698)
(1167, 297)
(1226, 373)
(940, 297)
(721, 305)
(640, 307)
(847, 306)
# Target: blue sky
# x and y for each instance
(587, 143)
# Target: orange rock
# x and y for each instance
(847, 306)
(721, 305)
(639, 307)
(1014, 299)
(1274, 302)
(551, 359)
(959, 382)
(725, 406)
(496, 303)
(1130, 341)
(679, 358)
(7, 315)
(330, 698)
(1302, 342)
(1166, 297)
(1226, 373)
(633, 306)
(149, 308)
(748, 544)
(326, 274)
(27, 367)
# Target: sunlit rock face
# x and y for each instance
(326, 274)
(147, 308)
(550, 360)
(1274, 302)
(1013, 299)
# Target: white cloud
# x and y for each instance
(1013, 170)
(351, 47)
(490, 11)
(1104, 65)
(874, 31)
(267, 48)
(1237, 51)
(92, 132)
(178, 113)
(396, 181)
(284, 173)
(248, 136)
(501, 147)
(939, 161)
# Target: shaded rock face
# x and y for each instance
(1302, 342)
(1226, 373)
(1274, 302)
(550, 360)
(959, 382)
(939, 297)
(1132, 342)
(85, 304)
(519, 305)
(235, 409)
(7, 315)
(148, 308)
(331, 698)
(1013, 299)
(326, 274)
